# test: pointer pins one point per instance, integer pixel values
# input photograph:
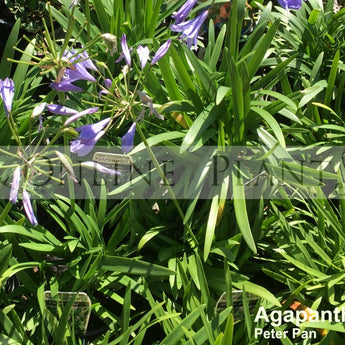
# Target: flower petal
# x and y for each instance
(100, 168)
(28, 208)
(61, 110)
(7, 94)
(128, 139)
(143, 53)
(84, 147)
(89, 131)
(183, 12)
(80, 114)
(15, 186)
(190, 29)
(125, 50)
(65, 87)
(162, 50)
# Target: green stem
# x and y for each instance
(160, 172)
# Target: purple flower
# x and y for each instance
(80, 114)
(128, 138)
(28, 208)
(61, 110)
(89, 131)
(65, 86)
(108, 83)
(143, 53)
(290, 4)
(88, 137)
(162, 50)
(190, 29)
(77, 71)
(125, 50)
(81, 61)
(7, 94)
(100, 168)
(15, 186)
(83, 147)
(80, 73)
(183, 12)
(87, 63)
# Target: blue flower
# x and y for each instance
(65, 86)
(84, 147)
(88, 137)
(183, 12)
(61, 109)
(28, 208)
(143, 53)
(80, 114)
(162, 50)
(77, 71)
(7, 94)
(15, 186)
(128, 139)
(108, 83)
(290, 4)
(125, 50)
(190, 29)
(100, 168)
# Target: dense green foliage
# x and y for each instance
(155, 269)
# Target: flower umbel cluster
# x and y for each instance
(110, 101)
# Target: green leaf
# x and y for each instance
(199, 126)
(222, 92)
(150, 234)
(177, 334)
(272, 123)
(237, 99)
(262, 82)
(258, 291)
(311, 92)
(38, 247)
(102, 16)
(202, 72)
(228, 332)
(261, 49)
(169, 78)
(211, 226)
(133, 266)
(217, 49)
(241, 211)
(331, 78)
(17, 268)
(5, 65)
